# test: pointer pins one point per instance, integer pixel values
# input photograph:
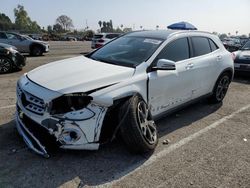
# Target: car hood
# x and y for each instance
(79, 74)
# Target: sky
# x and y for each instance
(222, 16)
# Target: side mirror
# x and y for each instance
(165, 64)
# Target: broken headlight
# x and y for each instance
(69, 103)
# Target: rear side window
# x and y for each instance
(213, 45)
(201, 46)
(111, 36)
(176, 51)
(98, 36)
(3, 36)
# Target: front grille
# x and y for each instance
(30, 102)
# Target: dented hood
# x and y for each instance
(79, 74)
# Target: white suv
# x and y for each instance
(100, 39)
(123, 86)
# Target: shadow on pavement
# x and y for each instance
(21, 168)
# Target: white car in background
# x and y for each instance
(102, 38)
(123, 86)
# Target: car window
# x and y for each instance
(3, 36)
(213, 45)
(246, 46)
(12, 36)
(111, 36)
(176, 51)
(97, 36)
(127, 51)
(200, 46)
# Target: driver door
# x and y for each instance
(170, 88)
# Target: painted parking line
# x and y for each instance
(6, 107)
(164, 152)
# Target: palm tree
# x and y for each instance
(100, 23)
(121, 26)
(157, 27)
(236, 32)
(141, 27)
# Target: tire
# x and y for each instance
(138, 129)
(5, 65)
(36, 51)
(220, 89)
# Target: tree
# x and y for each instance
(100, 24)
(5, 22)
(49, 28)
(23, 21)
(157, 27)
(65, 22)
(88, 34)
(57, 28)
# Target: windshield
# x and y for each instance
(246, 46)
(127, 51)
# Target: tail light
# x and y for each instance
(101, 40)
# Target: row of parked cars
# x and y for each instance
(11, 47)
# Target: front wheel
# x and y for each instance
(220, 89)
(5, 65)
(138, 129)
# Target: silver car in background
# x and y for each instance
(24, 44)
(102, 38)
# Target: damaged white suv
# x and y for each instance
(82, 102)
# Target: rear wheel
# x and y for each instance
(220, 88)
(5, 65)
(36, 51)
(138, 129)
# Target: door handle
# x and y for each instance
(189, 66)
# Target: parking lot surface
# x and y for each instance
(209, 145)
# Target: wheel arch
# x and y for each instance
(33, 44)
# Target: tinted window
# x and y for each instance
(213, 45)
(176, 51)
(97, 36)
(200, 46)
(3, 36)
(111, 36)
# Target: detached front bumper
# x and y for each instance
(32, 142)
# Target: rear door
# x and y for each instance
(203, 61)
(19, 42)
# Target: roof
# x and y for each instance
(157, 34)
(161, 34)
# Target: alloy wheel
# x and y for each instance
(222, 88)
(5, 65)
(146, 123)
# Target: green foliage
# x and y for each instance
(23, 21)
(5, 22)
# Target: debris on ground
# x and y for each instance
(166, 141)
